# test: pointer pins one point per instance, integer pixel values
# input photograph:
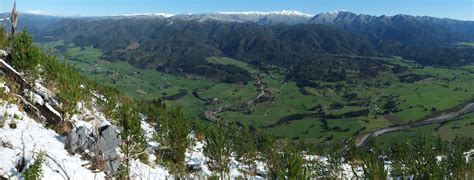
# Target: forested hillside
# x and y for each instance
(172, 43)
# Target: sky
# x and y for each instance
(456, 9)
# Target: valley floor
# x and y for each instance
(429, 90)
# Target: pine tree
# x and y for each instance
(199, 129)
(373, 166)
(334, 161)
(174, 134)
(264, 144)
(133, 138)
(401, 160)
(274, 164)
(245, 147)
(35, 171)
(26, 55)
(218, 149)
(425, 162)
(292, 165)
(457, 165)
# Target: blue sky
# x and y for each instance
(457, 9)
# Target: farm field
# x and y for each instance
(349, 108)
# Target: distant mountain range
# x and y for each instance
(179, 43)
(272, 17)
(412, 30)
(275, 17)
(403, 29)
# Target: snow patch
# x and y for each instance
(195, 157)
(146, 14)
(35, 98)
(52, 110)
(282, 12)
(43, 91)
(10, 67)
(149, 133)
(89, 118)
(234, 169)
(32, 138)
(139, 171)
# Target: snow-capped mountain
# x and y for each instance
(341, 17)
(282, 12)
(166, 15)
(274, 17)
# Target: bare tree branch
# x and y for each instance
(116, 158)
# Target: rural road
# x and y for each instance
(261, 89)
(211, 115)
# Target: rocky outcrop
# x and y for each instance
(102, 147)
(109, 143)
(39, 104)
(79, 141)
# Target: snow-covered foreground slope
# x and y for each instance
(30, 138)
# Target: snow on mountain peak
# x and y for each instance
(282, 12)
(147, 14)
(339, 11)
(39, 12)
(164, 14)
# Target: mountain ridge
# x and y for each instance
(247, 13)
(432, 31)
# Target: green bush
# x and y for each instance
(419, 159)
(67, 81)
(199, 129)
(4, 39)
(108, 105)
(35, 171)
(26, 55)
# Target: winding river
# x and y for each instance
(469, 107)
